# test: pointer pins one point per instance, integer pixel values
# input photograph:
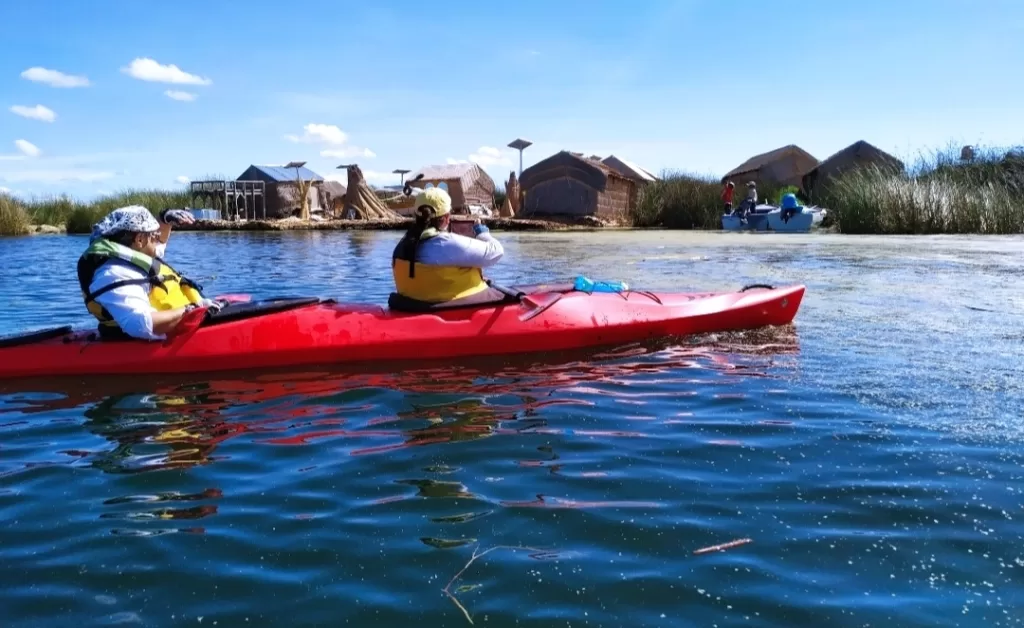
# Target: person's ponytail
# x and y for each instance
(411, 240)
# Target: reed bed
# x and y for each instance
(14, 220)
(79, 217)
(680, 200)
(940, 194)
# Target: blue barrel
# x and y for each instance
(789, 201)
(206, 214)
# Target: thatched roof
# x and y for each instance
(335, 188)
(568, 163)
(858, 153)
(468, 184)
(466, 173)
(628, 169)
(801, 162)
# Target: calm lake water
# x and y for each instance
(873, 453)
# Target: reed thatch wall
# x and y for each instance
(467, 184)
(568, 184)
(284, 199)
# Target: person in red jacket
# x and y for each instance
(727, 196)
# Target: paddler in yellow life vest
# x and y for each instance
(434, 268)
(126, 284)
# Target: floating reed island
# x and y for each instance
(953, 191)
(866, 191)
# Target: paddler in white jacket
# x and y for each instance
(436, 269)
(126, 284)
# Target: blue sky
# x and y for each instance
(99, 96)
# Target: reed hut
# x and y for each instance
(782, 166)
(569, 184)
(855, 155)
(629, 170)
(333, 196)
(283, 197)
(467, 184)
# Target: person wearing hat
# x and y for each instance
(434, 268)
(727, 196)
(125, 282)
(751, 195)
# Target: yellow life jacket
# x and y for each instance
(169, 290)
(428, 283)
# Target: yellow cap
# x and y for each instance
(436, 198)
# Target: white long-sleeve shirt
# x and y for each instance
(452, 249)
(128, 305)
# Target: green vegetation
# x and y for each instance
(688, 201)
(679, 201)
(79, 217)
(14, 220)
(939, 194)
(788, 189)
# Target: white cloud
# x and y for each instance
(490, 156)
(27, 148)
(146, 69)
(487, 156)
(39, 112)
(53, 78)
(348, 152)
(4, 190)
(183, 179)
(319, 134)
(174, 94)
(333, 136)
(56, 175)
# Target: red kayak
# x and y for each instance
(310, 331)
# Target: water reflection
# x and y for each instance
(180, 425)
(153, 425)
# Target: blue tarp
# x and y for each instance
(277, 174)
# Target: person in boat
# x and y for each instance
(790, 206)
(436, 269)
(752, 196)
(727, 192)
(125, 282)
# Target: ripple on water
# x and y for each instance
(870, 455)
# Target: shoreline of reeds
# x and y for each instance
(939, 193)
(68, 215)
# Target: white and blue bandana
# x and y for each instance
(134, 218)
